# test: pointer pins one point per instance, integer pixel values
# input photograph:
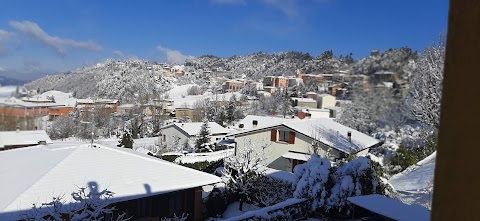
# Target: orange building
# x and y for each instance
(58, 111)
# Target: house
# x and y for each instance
(270, 89)
(286, 143)
(294, 82)
(184, 112)
(19, 139)
(275, 81)
(144, 187)
(54, 112)
(187, 132)
(325, 100)
(232, 85)
(384, 76)
(304, 102)
(311, 113)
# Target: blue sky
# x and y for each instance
(39, 37)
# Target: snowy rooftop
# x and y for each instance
(193, 129)
(333, 134)
(29, 137)
(301, 99)
(416, 177)
(325, 130)
(262, 121)
(391, 208)
(36, 174)
(12, 102)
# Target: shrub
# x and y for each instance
(215, 204)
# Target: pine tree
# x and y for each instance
(220, 117)
(202, 144)
(126, 140)
(231, 108)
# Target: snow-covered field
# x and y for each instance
(6, 91)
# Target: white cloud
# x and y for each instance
(118, 54)
(229, 2)
(5, 35)
(2, 69)
(60, 45)
(288, 7)
(173, 56)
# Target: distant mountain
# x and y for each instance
(6, 81)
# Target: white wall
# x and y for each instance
(172, 132)
(326, 101)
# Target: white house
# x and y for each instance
(187, 132)
(289, 142)
(18, 139)
(144, 183)
(325, 100)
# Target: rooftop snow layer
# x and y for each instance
(391, 208)
(35, 175)
(28, 137)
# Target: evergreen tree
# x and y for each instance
(231, 108)
(126, 141)
(220, 117)
(202, 144)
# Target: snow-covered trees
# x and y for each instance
(329, 186)
(423, 100)
(202, 143)
(311, 181)
(370, 110)
(90, 206)
(354, 178)
(241, 170)
(62, 127)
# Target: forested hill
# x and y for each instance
(127, 80)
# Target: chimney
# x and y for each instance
(240, 126)
(349, 134)
(255, 123)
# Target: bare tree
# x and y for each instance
(242, 170)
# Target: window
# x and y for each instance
(283, 136)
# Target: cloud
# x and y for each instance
(118, 54)
(5, 35)
(59, 45)
(229, 2)
(287, 7)
(5, 38)
(2, 69)
(173, 56)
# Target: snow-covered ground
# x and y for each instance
(142, 145)
(6, 91)
(232, 210)
(414, 183)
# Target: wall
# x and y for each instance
(326, 101)
(172, 133)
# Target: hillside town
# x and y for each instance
(190, 143)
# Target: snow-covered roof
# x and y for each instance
(324, 95)
(12, 102)
(306, 100)
(325, 130)
(36, 174)
(262, 121)
(391, 208)
(18, 138)
(416, 177)
(296, 156)
(333, 134)
(193, 129)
